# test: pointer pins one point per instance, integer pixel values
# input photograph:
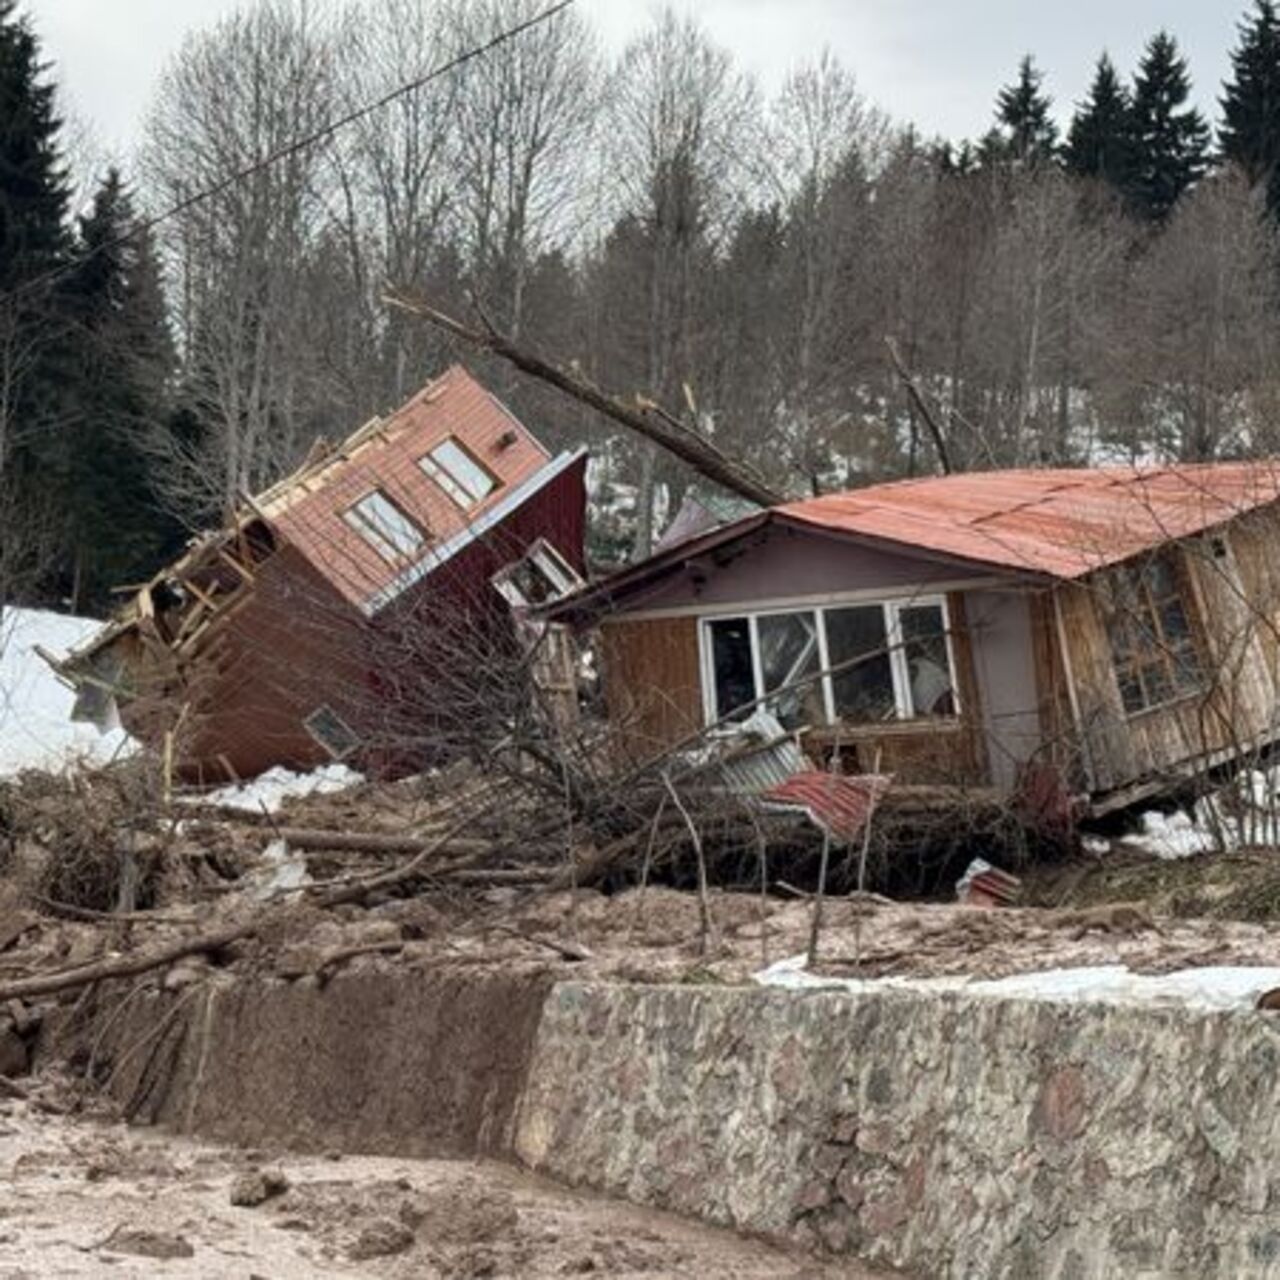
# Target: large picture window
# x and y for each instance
(1152, 644)
(855, 663)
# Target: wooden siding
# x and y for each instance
(652, 681)
(1231, 600)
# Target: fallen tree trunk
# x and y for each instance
(650, 422)
(373, 842)
(128, 966)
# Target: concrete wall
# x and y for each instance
(950, 1135)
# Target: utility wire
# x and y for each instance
(283, 153)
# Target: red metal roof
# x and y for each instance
(1065, 523)
(835, 802)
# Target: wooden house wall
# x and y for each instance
(652, 681)
(1232, 599)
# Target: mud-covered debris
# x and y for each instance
(15, 1056)
(258, 1186)
(380, 1239)
(465, 1214)
(148, 1244)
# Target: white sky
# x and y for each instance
(937, 63)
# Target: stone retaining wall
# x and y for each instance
(949, 1135)
(954, 1136)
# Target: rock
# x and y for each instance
(15, 1057)
(25, 1021)
(183, 975)
(380, 1239)
(149, 1244)
(252, 1189)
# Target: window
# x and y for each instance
(541, 576)
(858, 644)
(386, 528)
(1153, 648)
(331, 732)
(883, 661)
(460, 475)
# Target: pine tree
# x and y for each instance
(1100, 142)
(1250, 130)
(1022, 109)
(33, 186)
(33, 242)
(1171, 140)
(121, 367)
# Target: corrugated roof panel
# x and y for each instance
(1064, 523)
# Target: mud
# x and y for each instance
(86, 1198)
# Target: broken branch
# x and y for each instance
(650, 422)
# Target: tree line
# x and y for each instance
(818, 288)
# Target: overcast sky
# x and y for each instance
(937, 63)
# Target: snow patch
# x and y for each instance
(36, 729)
(269, 790)
(1220, 987)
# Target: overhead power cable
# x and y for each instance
(290, 149)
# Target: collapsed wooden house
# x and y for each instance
(1055, 635)
(282, 638)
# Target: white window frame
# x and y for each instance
(323, 710)
(904, 712)
(372, 531)
(553, 565)
(448, 479)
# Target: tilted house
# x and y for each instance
(270, 642)
(1104, 631)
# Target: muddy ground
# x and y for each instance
(88, 1197)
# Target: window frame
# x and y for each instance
(541, 552)
(447, 481)
(892, 608)
(374, 537)
(324, 709)
(1122, 583)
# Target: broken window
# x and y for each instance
(923, 637)
(732, 665)
(858, 644)
(788, 644)
(332, 732)
(386, 527)
(856, 663)
(1153, 647)
(540, 576)
(458, 473)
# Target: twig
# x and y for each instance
(648, 863)
(862, 865)
(339, 954)
(566, 950)
(704, 905)
(815, 926)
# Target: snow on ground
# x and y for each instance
(1220, 987)
(270, 789)
(1244, 814)
(36, 731)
